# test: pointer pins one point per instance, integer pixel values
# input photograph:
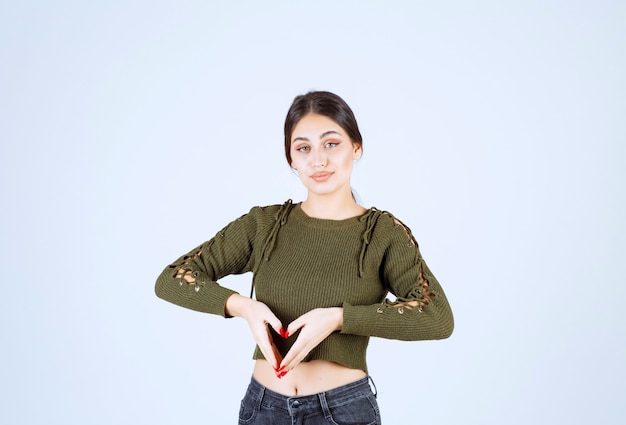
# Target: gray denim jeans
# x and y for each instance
(352, 404)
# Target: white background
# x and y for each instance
(132, 131)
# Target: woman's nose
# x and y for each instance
(319, 159)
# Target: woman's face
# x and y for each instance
(322, 153)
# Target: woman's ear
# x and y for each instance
(357, 151)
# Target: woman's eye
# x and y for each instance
(331, 144)
(303, 149)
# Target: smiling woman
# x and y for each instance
(322, 154)
(322, 270)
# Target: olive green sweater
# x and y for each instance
(300, 263)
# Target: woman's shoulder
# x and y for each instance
(383, 218)
(387, 224)
(271, 212)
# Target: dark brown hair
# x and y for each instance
(323, 103)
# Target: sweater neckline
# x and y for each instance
(327, 223)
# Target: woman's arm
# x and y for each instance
(421, 310)
(191, 280)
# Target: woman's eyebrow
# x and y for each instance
(324, 134)
(329, 132)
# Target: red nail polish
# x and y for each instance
(284, 333)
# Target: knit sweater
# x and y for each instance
(300, 263)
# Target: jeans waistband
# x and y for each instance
(333, 397)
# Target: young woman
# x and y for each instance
(322, 270)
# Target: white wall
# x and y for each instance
(132, 131)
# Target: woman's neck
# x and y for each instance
(331, 208)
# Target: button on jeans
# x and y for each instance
(350, 404)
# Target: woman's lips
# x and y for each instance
(320, 177)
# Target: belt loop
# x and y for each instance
(259, 396)
(373, 386)
(324, 404)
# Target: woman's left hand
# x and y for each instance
(314, 327)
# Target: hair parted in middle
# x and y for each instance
(323, 103)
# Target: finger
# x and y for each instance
(277, 326)
(274, 322)
(278, 356)
(297, 353)
(269, 355)
(293, 327)
(267, 347)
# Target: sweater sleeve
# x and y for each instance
(191, 280)
(420, 310)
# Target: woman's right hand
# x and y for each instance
(258, 316)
